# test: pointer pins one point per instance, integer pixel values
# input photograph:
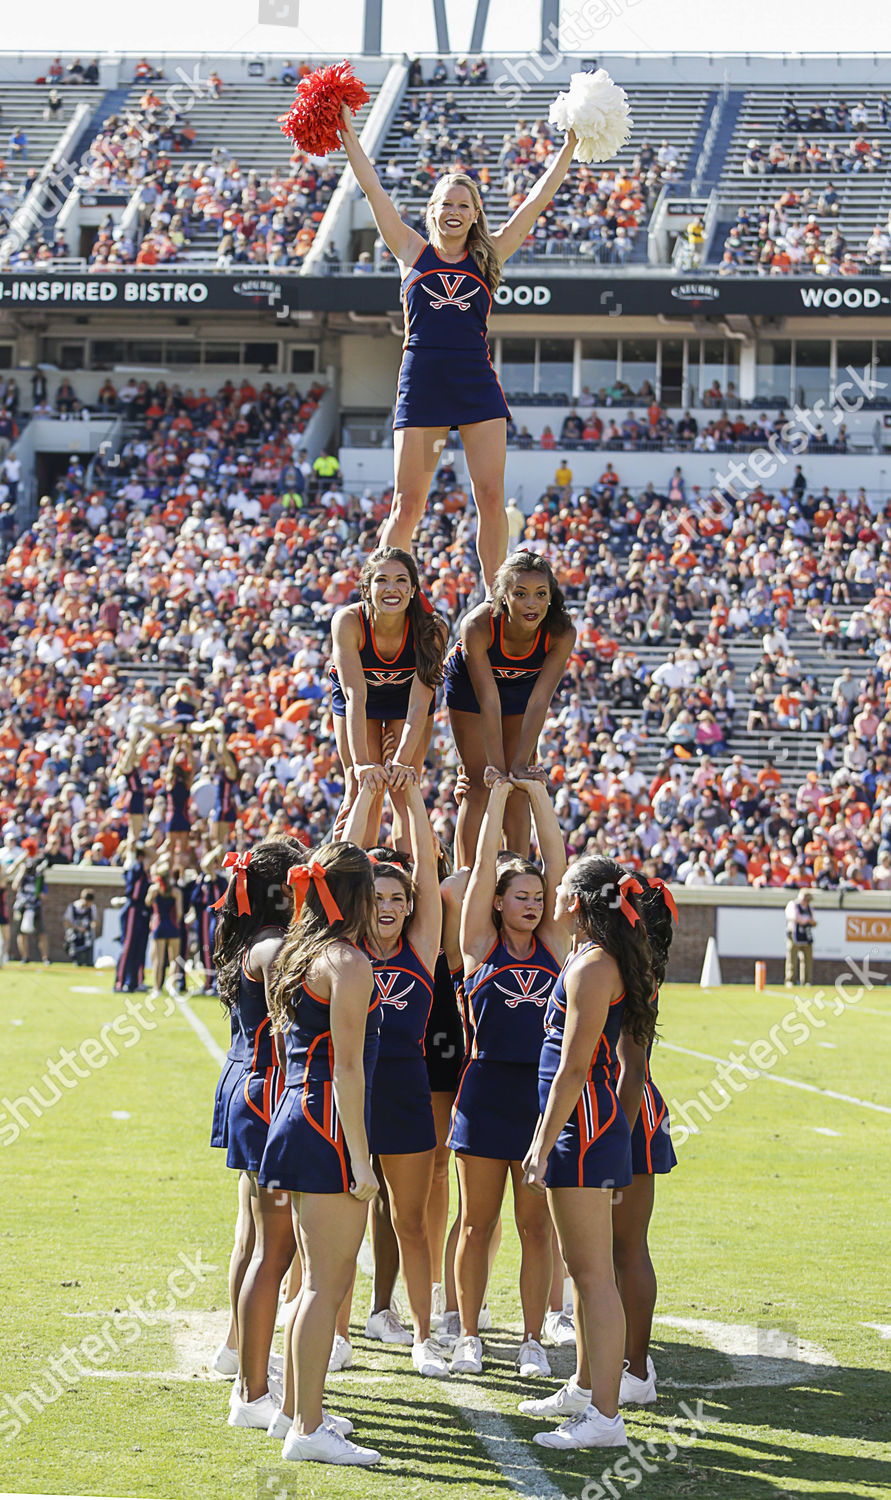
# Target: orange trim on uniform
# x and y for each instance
(388, 659)
(306, 1114)
(524, 654)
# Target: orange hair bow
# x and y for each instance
(629, 883)
(299, 876)
(238, 863)
(667, 897)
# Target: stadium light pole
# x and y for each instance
(550, 24)
(372, 27)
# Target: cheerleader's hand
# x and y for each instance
(401, 777)
(462, 786)
(364, 1185)
(388, 744)
(494, 776)
(534, 1174)
(346, 117)
(372, 776)
(529, 773)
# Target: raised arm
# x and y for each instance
(426, 926)
(475, 642)
(352, 982)
(453, 890)
(591, 983)
(415, 719)
(355, 829)
(478, 931)
(547, 683)
(553, 856)
(512, 234)
(403, 241)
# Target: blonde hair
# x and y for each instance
(479, 241)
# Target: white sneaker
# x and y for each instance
(532, 1360)
(468, 1356)
(341, 1357)
(569, 1401)
(559, 1327)
(385, 1325)
(484, 1322)
(588, 1430)
(427, 1358)
(636, 1392)
(257, 1413)
(449, 1330)
(225, 1362)
(327, 1446)
(281, 1424)
(437, 1304)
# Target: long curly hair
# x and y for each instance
(660, 927)
(271, 906)
(595, 880)
(480, 245)
(350, 879)
(431, 633)
(557, 619)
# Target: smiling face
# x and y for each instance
(391, 909)
(522, 904)
(527, 598)
(452, 211)
(390, 588)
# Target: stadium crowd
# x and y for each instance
(654, 430)
(195, 581)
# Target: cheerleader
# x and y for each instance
(652, 1155)
(165, 902)
(511, 949)
(204, 892)
(446, 379)
(403, 945)
(223, 769)
(388, 653)
(499, 682)
(581, 1148)
(127, 768)
(253, 916)
(178, 783)
(327, 1007)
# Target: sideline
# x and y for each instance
(792, 1083)
(201, 1032)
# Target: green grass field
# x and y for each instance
(770, 1241)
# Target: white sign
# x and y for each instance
(760, 932)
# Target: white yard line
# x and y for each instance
(514, 1457)
(824, 1130)
(201, 1030)
(792, 1083)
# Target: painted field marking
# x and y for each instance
(882, 1329)
(824, 1130)
(119, 1114)
(201, 1030)
(510, 1454)
(759, 1356)
(792, 1083)
(830, 1045)
(85, 989)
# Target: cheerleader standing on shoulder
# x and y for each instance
(446, 379)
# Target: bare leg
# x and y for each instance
(408, 1179)
(258, 1300)
(438, 1201)
(634, 1268)
(466, 732)
(482, 1188)
(583, 1217)
(242, 1250)
(485, 448)
(534, 1228)
(332, 1226)
(384, 1245)
(416, 455)
(518, 813)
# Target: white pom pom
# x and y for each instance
(597, 110)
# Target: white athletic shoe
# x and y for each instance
(437, 1304)
(484, 1322)
(532, 1360)
(385, 1325)
(468, 1356)
(341, 1357)
(327, 1446)
(225, 1362)
(257, 1413)
(636, 1392)
(559, 1327)
(590, 1429)
(449, 1330)
(427, 1358)
(281, 1424)
(569, 1401)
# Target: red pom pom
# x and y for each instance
(315, 118)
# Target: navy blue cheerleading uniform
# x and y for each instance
(652, 1152)
(496, 1110)
(203, 892)
(401, 1110)
(232, 1072)
(515, 676)
(260, 1085)
(225, 805)
(594, 1147)
(306, 1150)
(165, 925)
(135, 920)
(135, 794)
(444, 1041)
(446, 378)
(178, 798)
(388, 680)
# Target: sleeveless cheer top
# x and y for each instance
(603, 1067)
(383, 674)
(505, 999)
(445, 306)
(405, 990)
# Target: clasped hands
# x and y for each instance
(391, 776)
